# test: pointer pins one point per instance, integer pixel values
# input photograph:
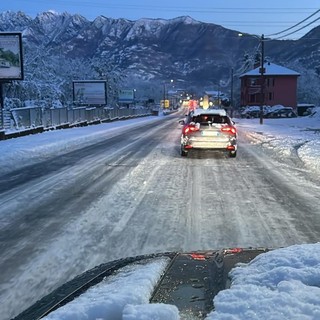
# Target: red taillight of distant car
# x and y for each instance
(197, 256)
(229, 129)
(233, 250)
(189, 129)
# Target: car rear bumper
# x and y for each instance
(222, 144)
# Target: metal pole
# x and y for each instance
(1, 105)
(231, 94)
(164, 95)
(262, 71)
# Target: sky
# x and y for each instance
(248, 16)
(279, 284)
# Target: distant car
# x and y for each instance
(285, 112)
(250, 114)
(4, 63)
(210, 129)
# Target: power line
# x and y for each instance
(274, 34)
(288, 34)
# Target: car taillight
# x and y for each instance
(189, 129)
(197, 256)
(229, 129)
(233, 250)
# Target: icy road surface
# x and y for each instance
(132, 194)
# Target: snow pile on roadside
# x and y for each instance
(280, 284)
(288, 137)
(28, 150)
(309, 154)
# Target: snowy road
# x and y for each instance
(133, 194)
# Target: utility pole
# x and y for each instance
(231, 94)
(262, 72)
(1, 106)
(164, 94)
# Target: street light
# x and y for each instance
(261, 71)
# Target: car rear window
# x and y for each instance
(207, 119)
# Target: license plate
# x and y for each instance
(210, 133)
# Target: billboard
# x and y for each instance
(126, 96)
(11, 62)
(90, 92)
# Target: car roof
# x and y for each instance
(220, 112)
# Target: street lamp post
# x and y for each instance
(164, 94)
(231, 93)
(262, 72)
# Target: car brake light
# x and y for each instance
(189, 128)
(234, 250)
(197, 256)
(229, 129)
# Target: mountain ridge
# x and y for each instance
(149, 51)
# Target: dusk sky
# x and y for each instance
(250, 16)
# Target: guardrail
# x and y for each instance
(23, 121)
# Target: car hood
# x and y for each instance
(189, 280)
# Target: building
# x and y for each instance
(280, 86)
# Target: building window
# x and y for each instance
(253, 81)
(270, 82)
(270, 96)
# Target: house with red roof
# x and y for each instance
(280, 86)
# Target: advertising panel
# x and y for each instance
(11, 62)
(90, 92)
(126, 96)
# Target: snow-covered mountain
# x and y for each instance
(146, 50)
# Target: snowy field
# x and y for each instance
(280, 284)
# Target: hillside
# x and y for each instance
(59, 48)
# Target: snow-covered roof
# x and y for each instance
(271, 69)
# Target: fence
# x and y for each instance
(21, 120)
